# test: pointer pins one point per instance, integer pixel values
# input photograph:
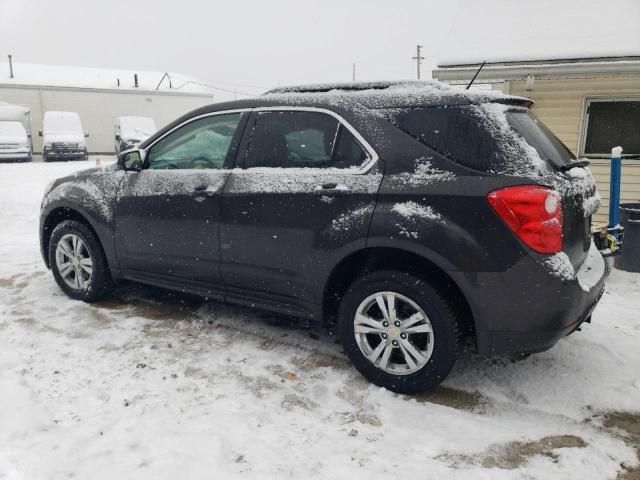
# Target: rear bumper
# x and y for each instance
(528, 308)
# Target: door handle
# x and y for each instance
(200, 188)
(331, 190)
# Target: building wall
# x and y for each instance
(560, 105)
(98, 109)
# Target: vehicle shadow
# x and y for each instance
(319, 341)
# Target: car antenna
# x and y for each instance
(475, 76)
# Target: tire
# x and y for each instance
(90, 286)
(44, 158)
(444, 336)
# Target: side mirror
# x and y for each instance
(86, 134)
(131, 160)
(39, 133)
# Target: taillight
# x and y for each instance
(533, 213)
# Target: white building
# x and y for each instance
(99, 95)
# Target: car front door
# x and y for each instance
(167, 214)
(301, 197)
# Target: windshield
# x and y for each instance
(62, 122)
(137, 127)
(12, 129)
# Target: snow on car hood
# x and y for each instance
(66, 137)
(21, 139)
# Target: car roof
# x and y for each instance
(388, 94)
(356, 98)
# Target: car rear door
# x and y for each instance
(167, 214)
(301, 198)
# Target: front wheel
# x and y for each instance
(78, 263)
(399, 332)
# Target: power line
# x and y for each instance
(216, 88)
(418, 58)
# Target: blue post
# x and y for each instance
(614, 187)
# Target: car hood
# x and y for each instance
(22, 139)
(90, 175)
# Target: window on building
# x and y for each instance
(611, 123)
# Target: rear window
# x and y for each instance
(536, 134)
(487, 140)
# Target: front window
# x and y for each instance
(292, 139)
(201, 144)
(611, 123)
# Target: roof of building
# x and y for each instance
(98, 78)
(545, 30)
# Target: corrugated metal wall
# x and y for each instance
(98, 109)
(560, 104)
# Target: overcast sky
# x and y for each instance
(252, 45)
(235, 43)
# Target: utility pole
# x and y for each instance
(418, 58)
(354, 71)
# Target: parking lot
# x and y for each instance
(148, 382)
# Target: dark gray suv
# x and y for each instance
(418, 216)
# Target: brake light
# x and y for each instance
(533, 213)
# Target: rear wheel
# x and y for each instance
(78, 262)
(399, 332)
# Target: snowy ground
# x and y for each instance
(148, 384)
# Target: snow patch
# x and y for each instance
(560, 266)
(591, 270)
(424, 173)
(347, 220)
(592, 204)
(413, 210)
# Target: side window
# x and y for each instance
(301, 140)
(348, 152)
(203, 143)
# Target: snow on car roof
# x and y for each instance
(390, 94)
(505, 31)
(103, 78)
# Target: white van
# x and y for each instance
(63, 137)
(14, 142)
(131, 131)
(17, 113)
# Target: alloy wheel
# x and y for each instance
(393, 333)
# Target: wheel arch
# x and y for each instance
(58, 215)
(382, 258)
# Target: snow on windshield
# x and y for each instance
(62, 122)
(12, 129)
(137, 127)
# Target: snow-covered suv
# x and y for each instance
(415, 215)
